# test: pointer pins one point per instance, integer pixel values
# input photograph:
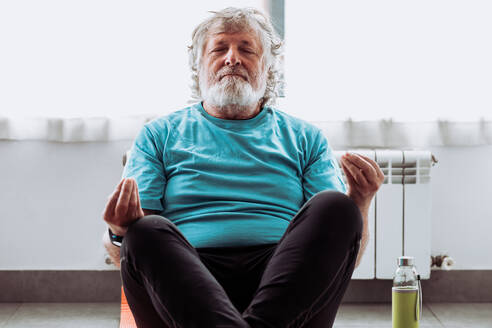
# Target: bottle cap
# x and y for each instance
(405, 260)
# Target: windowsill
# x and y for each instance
(383, 133)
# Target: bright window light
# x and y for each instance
(98, 58)
(415, 60)
(365, 60)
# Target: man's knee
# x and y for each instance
(142, 231)
(336, 209)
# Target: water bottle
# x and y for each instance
(406, 298)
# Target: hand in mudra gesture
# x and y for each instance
(364, 177)
(123, 207)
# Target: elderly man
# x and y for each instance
(232, 213)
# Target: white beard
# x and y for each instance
(231, 90)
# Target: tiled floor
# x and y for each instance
(90, 315)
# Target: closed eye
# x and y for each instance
(249, 51)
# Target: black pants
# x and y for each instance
(298, 282)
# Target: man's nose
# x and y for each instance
(232, 57)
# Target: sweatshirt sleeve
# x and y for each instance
(145, 165)
(322, 171)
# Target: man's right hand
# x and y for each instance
(123, 207)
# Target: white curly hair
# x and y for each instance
(236, 20)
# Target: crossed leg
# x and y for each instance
(303, 283)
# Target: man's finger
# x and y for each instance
(132, 204)
(113, 198)
(124, 198)
(354, 172)
(353, 184)
(137, 201)
(374, 164)
(139, 206)
(367, 169)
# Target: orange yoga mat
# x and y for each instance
(126, 316)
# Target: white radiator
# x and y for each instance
(400, 213)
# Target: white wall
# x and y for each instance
(52, 196)
(462, 215)
(51, 199)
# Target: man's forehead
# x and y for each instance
(246, 36)
(219, 38)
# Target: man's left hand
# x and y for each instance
(364, 178)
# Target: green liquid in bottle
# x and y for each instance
(404, 307)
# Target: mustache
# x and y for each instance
(237, 71)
